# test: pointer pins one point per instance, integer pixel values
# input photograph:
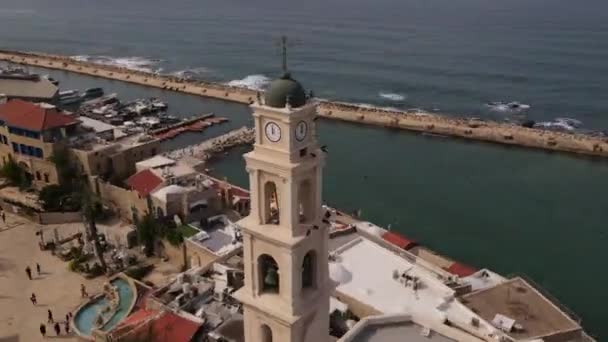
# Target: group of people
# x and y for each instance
(56, 325)
(28, 271)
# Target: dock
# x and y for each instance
(421, 122)
(196, 124)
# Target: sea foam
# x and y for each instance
(192, 73)
(133, 63)
(392, 96)
(255, 82)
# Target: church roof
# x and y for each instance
(283, 89)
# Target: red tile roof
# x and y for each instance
(461, 270)
(398, 240)
(27, 115)
(156, 326)
(144, 182)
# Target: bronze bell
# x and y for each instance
(271, 280)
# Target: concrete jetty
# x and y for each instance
(488, 131)
(208, 148)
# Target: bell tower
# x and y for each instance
(286, 293)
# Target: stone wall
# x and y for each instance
(176, 255)
(124, 202)
(60, 217)
(198, 256)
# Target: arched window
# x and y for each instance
(271, 204)
(308, 270)
(305, 201)
(268, 271)
(265, 333)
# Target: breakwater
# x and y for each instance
(208, 148)
(488, 131)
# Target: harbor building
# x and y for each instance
(29, 87)
(30, 134)
(287, 285)
(112, 159)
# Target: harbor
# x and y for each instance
(422, 122)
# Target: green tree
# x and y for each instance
(15, 174)
(148, 230)
(65, 171)
(91, 210)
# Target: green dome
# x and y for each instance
(283, 88)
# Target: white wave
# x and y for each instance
(191, 72)
(557, 126)
(392, 96)
(255, 82)
(133, 63)
(507, 107)
(570, 122)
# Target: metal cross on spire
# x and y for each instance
(284, 52)
(284, 43)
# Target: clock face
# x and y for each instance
(301, 130)
(273, 131)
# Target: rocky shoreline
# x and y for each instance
(472, 129)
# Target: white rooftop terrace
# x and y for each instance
(392, 328)
(220, 237)
(365, 271)
(154, 162)
(97, 125)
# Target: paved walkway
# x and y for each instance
(56, 288)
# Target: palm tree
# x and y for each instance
(90, 211)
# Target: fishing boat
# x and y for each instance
(70, 99)
(92, 93)
(157, 104)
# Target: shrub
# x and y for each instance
(96, 270)
(175, 237)
(74, 265)
(138, 272)
(59, 198)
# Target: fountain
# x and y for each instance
(106, 310)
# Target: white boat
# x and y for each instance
(66, 93)
(158, 104)
(141, 108)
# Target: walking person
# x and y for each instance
(28, 270)
(51, 320)
(57, 329)
(67, 328)
(43, 330)
(83, 291)
(33, 299)
(3, 217)
(38, 268)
